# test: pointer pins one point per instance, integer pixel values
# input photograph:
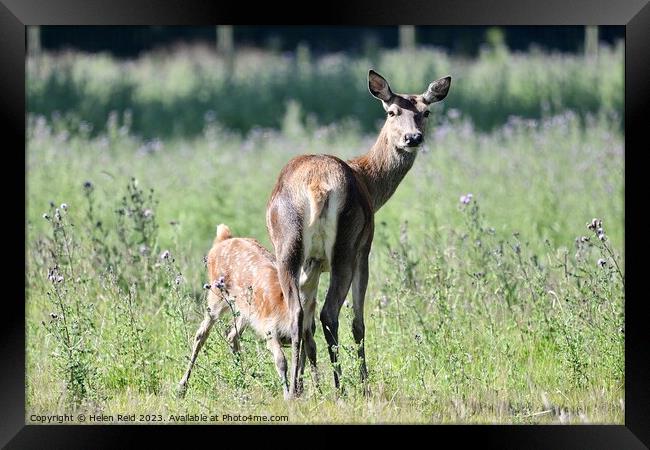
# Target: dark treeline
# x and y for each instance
(130, 41)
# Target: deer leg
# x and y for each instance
(287, 241)
(300, 385)
(215, 309)
(296, 344)
(308, 289)
(274, 345)
(289, 283)
(235, 332)
(340, 280)
(311, 352)
(359, 284)
(199, 339)
(309, 342)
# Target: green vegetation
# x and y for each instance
(499, 307)
(488, 311)
(176, 94)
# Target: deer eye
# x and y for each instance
(394, 111)
(426, 113)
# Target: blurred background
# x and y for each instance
(466, 40)
(172, 80)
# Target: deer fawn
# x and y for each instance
(243, 272)
(320, 218)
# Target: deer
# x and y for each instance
(320, 218)
(244, 280)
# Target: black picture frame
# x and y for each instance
(15, 15)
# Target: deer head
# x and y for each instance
(406, 114)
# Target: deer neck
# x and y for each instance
(382, 169)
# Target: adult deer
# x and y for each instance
(320, 218)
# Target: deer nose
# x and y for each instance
(413, 139)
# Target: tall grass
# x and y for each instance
(166, 95)
(499, 307)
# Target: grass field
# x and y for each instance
(492, 310)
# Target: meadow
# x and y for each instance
(501, 306)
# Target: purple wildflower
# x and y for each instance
(220, 283)
(595, 224)
(465, 199)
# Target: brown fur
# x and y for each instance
(339, 200)
(251, 281)
(223, 233)
(382, 169)
(246, 265)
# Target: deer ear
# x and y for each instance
(437, 90)
(378, 86)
